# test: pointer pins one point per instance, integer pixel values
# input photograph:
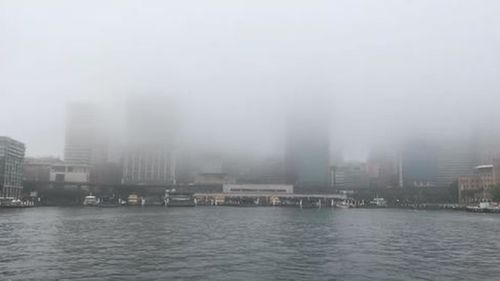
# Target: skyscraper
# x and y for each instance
(11, 167)
(150, 155)
(418, 164)
(455, 160)
(85, 142)
(307, 153)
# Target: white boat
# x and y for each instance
(378, 202)
(133, 200)
(90, 201)
(343, 205)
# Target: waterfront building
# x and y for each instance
(11, 167)
(257, 188)
(70, 173)
(150, 157)
(37, 170)
(473, 189)
(84, 142)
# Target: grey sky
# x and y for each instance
(387, 68)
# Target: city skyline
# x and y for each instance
(384, 79)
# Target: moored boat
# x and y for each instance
(133, 200)
(179, 199)
(90, 201)
(378, 202)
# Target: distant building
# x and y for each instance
(150, 157)
(85, 143)
(258, 188)
(455, 160)
(350, 176)
(106, 173)
(70, 173)
(307, 155)
(418, 165)
(11, 167)
(38, 169)
(382, 167)
(477, 187)
(211, 178)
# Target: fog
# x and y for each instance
(235, 71)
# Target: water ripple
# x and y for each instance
(247, 244)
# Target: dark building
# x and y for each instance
(350, 176)
(419, 164)
(11, 167)
(456, 159)
(307, 156)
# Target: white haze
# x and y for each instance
(384, 69)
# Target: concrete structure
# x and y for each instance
(475, 188)
(70, 173)
(38, 169)
(257, 188)
(11, 167)
(150, 157)
(84, 143)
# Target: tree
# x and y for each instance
(495, 193)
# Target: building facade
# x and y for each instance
(455, 160)
(150, 155)
(307, 155)
(85, 143)
(257, 188)
(38, 169)
(418, 164)
(70, 173)
(350, 176)
(475, 188)
(11, 167)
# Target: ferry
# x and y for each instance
(309, 203)
(179, 199)
(109, 202)
(484, 207)
(378, 202)
(11, 202)
(133, 200)
(342, 205)
(90, 201)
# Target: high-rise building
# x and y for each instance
(418, 164)
(150, 157)
(383, 167)
(455, 160)
(11, 167)
(307, 153)
(350, 176)
(84, 142)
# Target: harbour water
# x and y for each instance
(228, 243)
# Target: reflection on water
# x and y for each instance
(227, 243)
